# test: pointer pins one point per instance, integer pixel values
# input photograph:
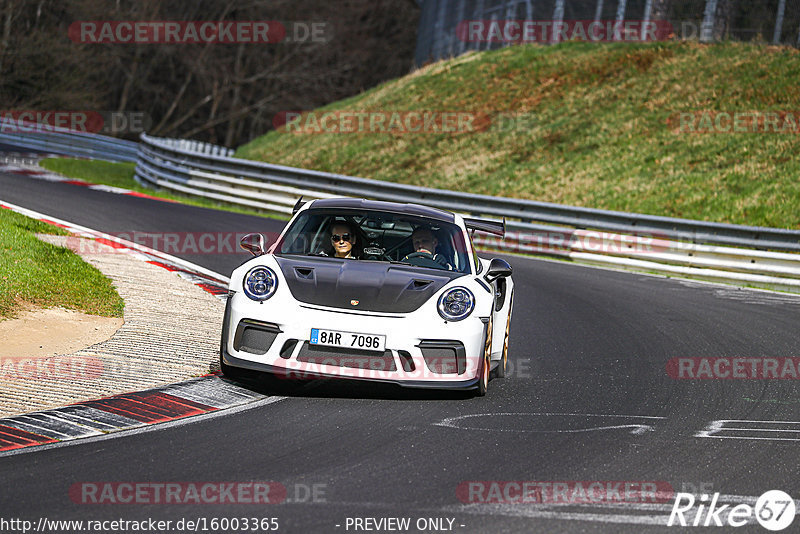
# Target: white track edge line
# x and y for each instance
(113, 434)
(129, 244)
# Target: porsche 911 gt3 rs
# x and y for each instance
(371, 290)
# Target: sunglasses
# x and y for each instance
(344, 237)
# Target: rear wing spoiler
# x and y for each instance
(483, 225)
(299, 204)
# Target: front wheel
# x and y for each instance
(500, 372)
(486, 364)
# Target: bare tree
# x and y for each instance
(7, 13)
(776, 37)
(660, 9)
(648, 8)
(439, 33)
(598, 11)
(621, 5)
(478, 14)
(224, 93)
(716, 20)
(709, 22)
(558, 17)
(492, 24)
(460, 20)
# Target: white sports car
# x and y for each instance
(370, 290)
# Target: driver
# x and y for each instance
(425, 255)
(343, 239)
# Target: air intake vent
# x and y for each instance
(254, 337)
(288, 348)
(416, 285)
(444, 357)
(304, 272)
(406, 361)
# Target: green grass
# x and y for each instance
(122, 175)
(598, 131)
(36, 273)
(96, 172)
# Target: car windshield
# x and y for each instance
(365, 235)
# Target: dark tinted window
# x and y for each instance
(378, 236)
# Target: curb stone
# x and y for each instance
(143, 346)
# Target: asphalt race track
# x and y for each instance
(588, 400)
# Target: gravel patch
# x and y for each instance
(171, 332)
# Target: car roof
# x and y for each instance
(380, 205)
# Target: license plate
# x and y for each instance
(348, 340)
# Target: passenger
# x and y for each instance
(343, 239)
(425, 254)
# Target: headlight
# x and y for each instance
(260, 283)
(456, 304)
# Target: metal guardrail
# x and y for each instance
(197, 147)
(627, 240)
(269, 186)
(776, 270)
(55, 140)
(764, 257)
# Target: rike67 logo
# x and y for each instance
(774, 510)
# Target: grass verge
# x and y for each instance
(36, 273)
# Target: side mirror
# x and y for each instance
(497, 269)
(254, 244)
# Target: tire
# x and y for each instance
(229, 372)
(486, 364)
(500, 372)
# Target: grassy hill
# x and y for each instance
(600, 130)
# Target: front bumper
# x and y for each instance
(420, 352)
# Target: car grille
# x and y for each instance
(342, 357)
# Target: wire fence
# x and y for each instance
(444, 28)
